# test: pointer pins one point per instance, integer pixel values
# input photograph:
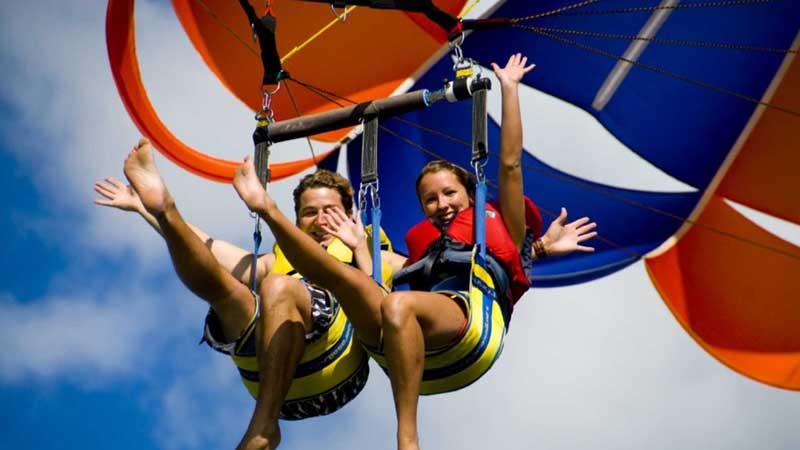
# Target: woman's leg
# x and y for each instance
(412, 321)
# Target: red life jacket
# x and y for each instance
(498, 241)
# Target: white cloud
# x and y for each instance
(209, 392)
(69, 102)
(91, 337)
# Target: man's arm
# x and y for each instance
(352, 234)
(395, 260)
(234, 259)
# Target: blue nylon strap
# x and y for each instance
(256, 245)
(480, 216)
(375, 221)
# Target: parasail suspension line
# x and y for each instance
(368, 189)
(333, 22)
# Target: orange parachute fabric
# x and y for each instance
(392, 47)
(120, 39)
(746, 311)
(219, 31)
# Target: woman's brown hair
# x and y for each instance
(463, 177)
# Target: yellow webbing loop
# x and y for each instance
(318, 33)
(468, 9)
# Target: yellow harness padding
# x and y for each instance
(472, 354)
(331, 362)
(338, 250)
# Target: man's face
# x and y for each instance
(313, 202)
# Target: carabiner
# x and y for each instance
(340, 17)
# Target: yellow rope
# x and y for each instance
(468, 9)
(317, 34)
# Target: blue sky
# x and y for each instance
(101, 338)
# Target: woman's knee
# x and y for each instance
(397, 309)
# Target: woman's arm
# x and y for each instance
(509, 176)
(563, 239)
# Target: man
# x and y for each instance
(282, 337)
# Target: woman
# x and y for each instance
(439, 340)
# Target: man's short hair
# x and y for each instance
(325, 179)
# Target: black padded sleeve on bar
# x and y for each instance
(299, 127)
(369, 151)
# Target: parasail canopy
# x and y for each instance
(704, 94)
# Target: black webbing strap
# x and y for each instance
(369, 151)
(484, 24)
(480, 150)
(261, 142)
(264, 29)
(438, 16)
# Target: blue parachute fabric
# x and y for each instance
(685, 130)
(630, 224)
(330, 162)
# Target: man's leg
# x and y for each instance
(193, 261)
(231, 300)
(285, 320)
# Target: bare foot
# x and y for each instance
(249, 188)
(269, 438)
(274, 438)
(141, 172)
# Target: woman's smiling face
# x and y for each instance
(442, 196)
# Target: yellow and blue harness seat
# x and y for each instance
(472, 353)
(334, 367)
